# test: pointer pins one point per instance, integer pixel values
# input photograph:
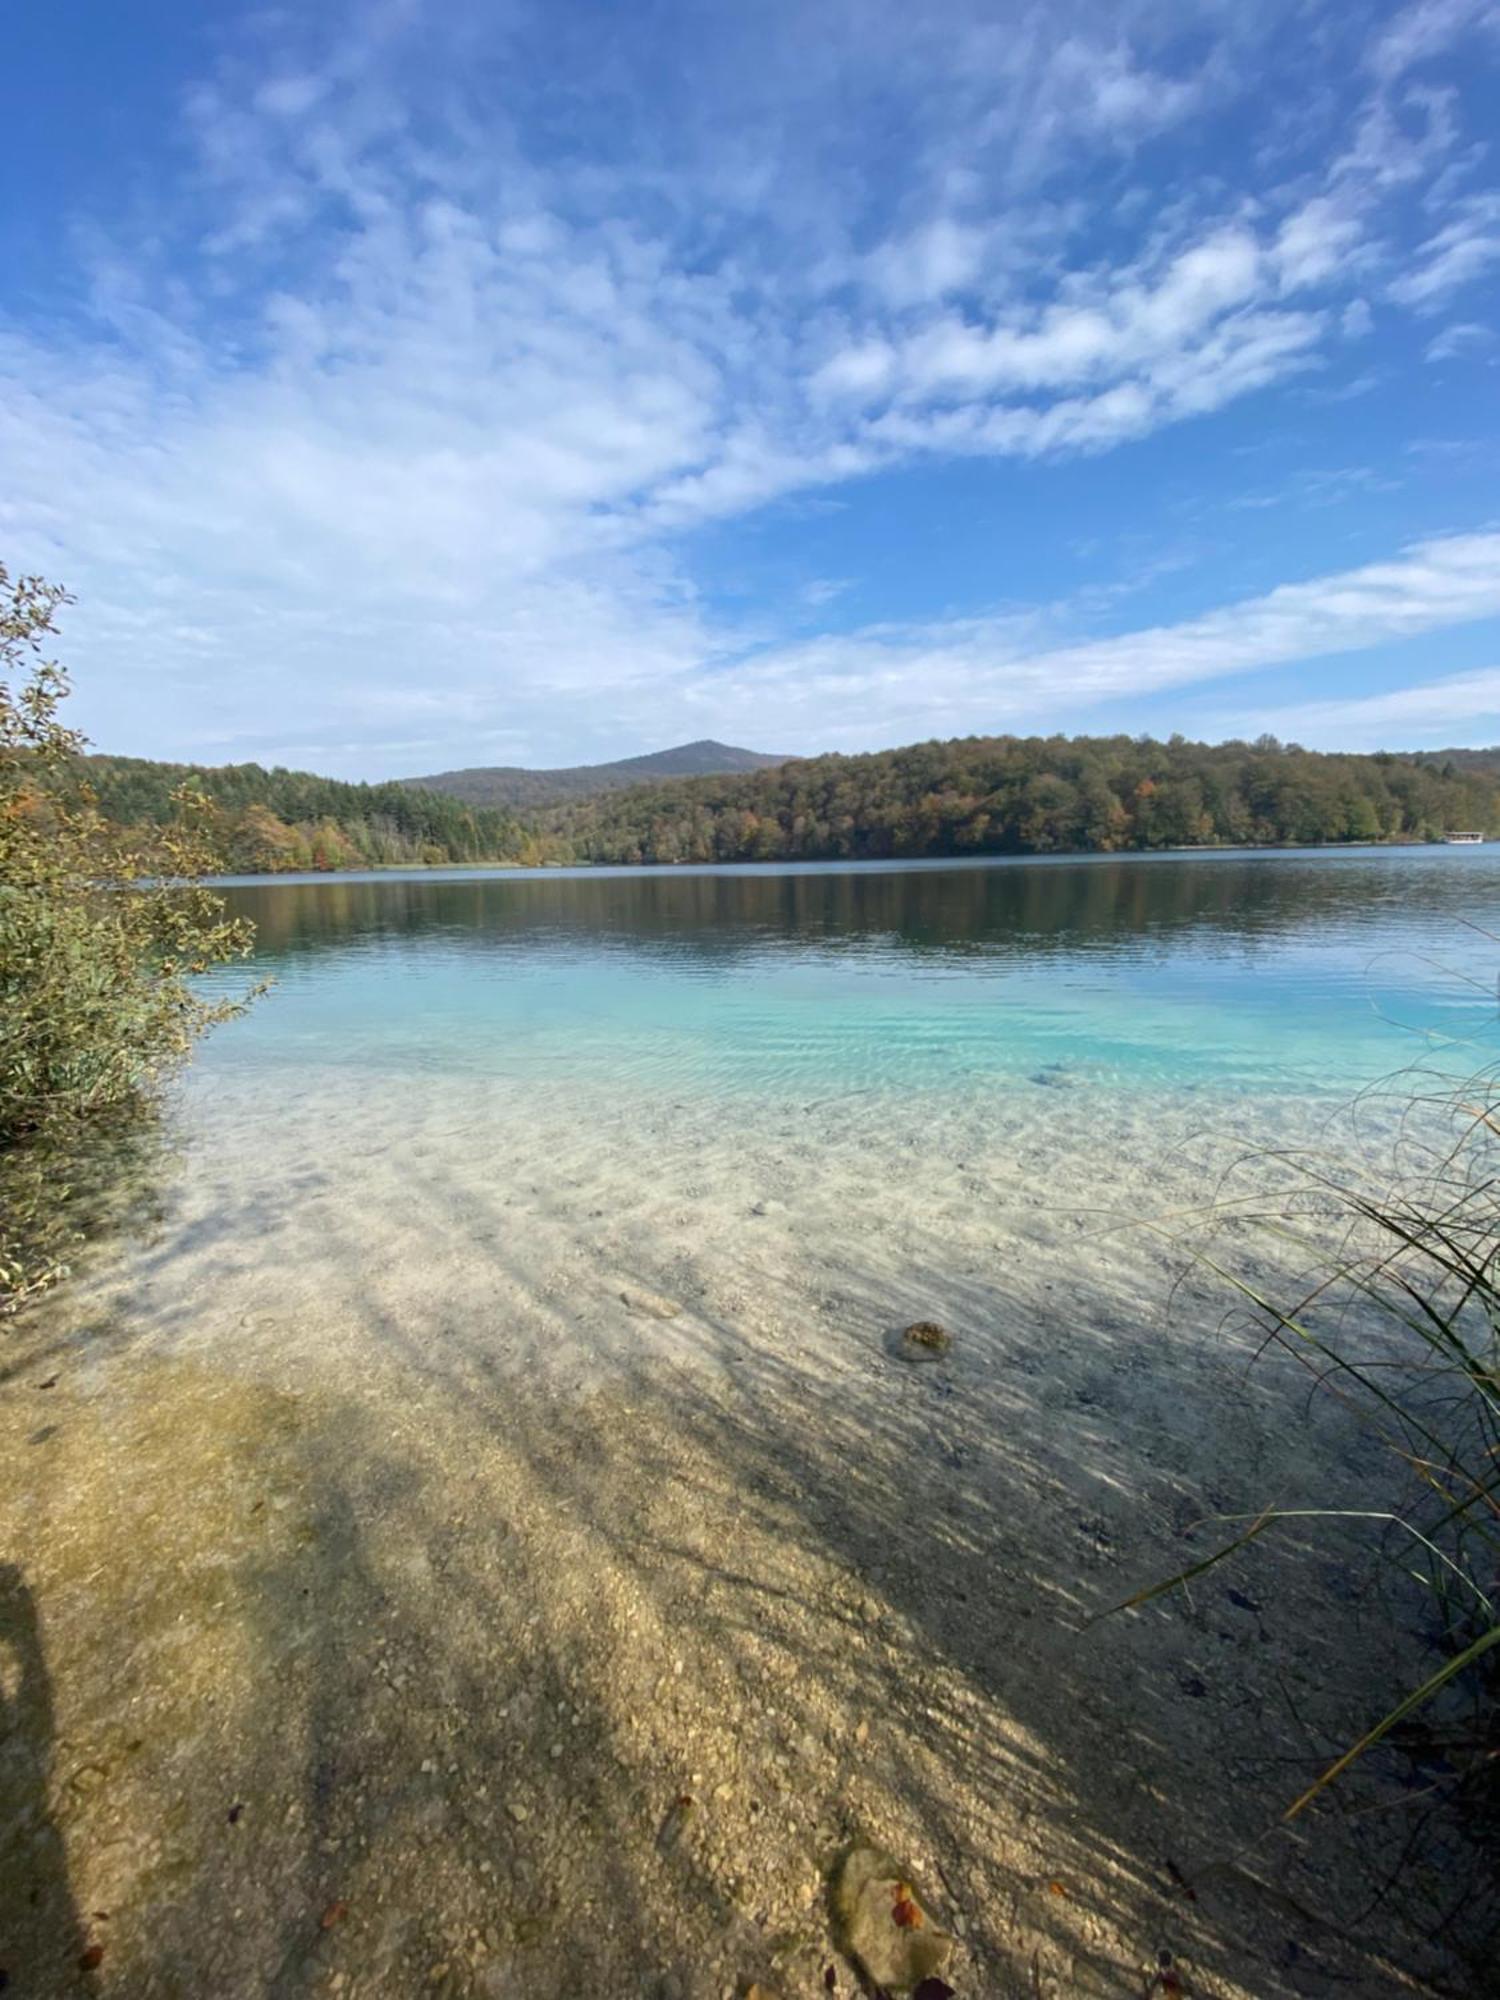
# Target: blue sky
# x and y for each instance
(409, 383)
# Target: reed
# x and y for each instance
(1399, 1318)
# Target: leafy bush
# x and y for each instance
(102, 936)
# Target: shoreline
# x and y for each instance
(422, 871)
(481, 1477)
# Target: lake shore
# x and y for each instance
(479, 870)
(476, 1481)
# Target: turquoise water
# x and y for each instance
(1245, 972)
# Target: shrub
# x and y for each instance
(103, 937)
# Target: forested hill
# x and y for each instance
(1016, 795)
(516, 786)
(976, 795)
(270, 821)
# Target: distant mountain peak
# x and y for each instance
(517, 785)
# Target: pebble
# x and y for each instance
(925, 1340)
(895, 1953)
(518, 1812)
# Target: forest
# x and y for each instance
(973, 795)
(1034, 795)
(270, 821)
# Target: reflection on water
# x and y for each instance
(1250, 970)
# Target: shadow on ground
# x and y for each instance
(411, 1653)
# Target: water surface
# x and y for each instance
(500, 1431)
(1243, 971)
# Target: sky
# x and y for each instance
(408, 384)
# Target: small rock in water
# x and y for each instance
(883, 1925)
(925, 1340)
(644, 1306)
(678, 1814)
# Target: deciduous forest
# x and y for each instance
(1033, 795)
(974, 795)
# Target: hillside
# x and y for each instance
(1037, 795)
(267, 821)
(973, 795)
(515, 786)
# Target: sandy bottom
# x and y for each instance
(489, 1544)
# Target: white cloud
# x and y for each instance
(873, 686)
(290, 96)
(1461, 251)
(1314, 243)
(943, 256)
(1427, 28)
(1439, 712)
(396, 389)
(1403, 135)
(1458, 340)
(1356, 321)
(1121, 351)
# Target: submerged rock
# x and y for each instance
(675, 1822)
(925, 1340)
(883, 1925)
(647, 1306)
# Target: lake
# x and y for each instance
(484, 1532)
(1243, 971)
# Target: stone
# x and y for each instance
(925, 1340)
(675, 1822)
(882, 1923)
(646, 1306)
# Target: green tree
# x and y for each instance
(102, 938)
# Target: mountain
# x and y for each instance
(514, 785)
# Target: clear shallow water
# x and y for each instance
(1311, 971)
(516, 1322)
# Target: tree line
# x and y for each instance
(269, 821)
(1033, 795)
(972, 795)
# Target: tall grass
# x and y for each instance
(1400, 1320)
